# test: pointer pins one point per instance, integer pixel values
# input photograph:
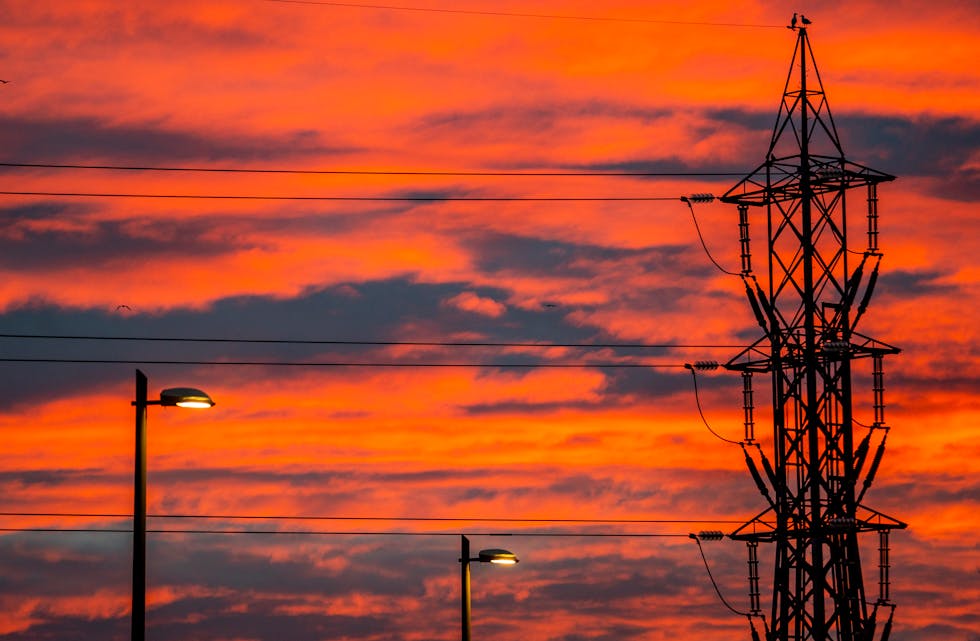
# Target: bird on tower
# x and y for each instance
(792, 23)
(804, 20)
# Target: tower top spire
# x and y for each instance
(804, 139)
(804, 120)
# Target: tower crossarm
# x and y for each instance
(781, 179)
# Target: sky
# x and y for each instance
(403, 441)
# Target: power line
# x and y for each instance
(114, 361)
(373, 172)
(420, 519)
(697, 400)
(713, 582)
(507, 14)
(351, 532)
(432, 198)
(697, 227)
(408, 343)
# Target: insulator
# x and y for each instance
(875, 463)
(873, 470)
(743, 238)
(754, 471)
(884, 582)
(872, 280)
(698, 198)
(767, 307)
(754, 302)
(887, 630)
(705, 365)
(842, 523)
(748, 406)
(835, 346)
(854, 282)
(754, 594)
(830, 173)
(872, 218)
(878, 389)
(711, 535)
(868, 634)
(767, 466)
(861, 453)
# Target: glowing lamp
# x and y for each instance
(185, 397)
(500, 557)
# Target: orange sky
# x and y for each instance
(453, 87)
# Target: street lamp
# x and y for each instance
(495, 556)
(173, 397)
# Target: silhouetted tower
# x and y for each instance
(809, 310)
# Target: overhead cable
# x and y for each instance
(703, 198)
(308, 517)
(697, 539)
(416, 198)
(372, 172)
(349, 532)
(508, 14)
(130, 361)
(697, 396)
(396, 343)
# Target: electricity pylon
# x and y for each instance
(809, 310)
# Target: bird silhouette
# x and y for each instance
(804, 20)
(792, 23)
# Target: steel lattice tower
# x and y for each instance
(808, 310)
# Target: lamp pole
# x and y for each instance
(495, 556)
(464, 560)
(176, 396)
(139, 513)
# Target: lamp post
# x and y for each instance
(173, 397)
(495, 556)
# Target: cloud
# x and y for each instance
(396, 309)
(36, 247)
(474, 303)
(604, 135)
(500, 253)
(92, 139)
(43, 477)
(940, 148)
(905, 284)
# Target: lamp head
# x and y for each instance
(499, 557)
(185, 397)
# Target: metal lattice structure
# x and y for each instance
(809, 310)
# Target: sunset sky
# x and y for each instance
(437, 414)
